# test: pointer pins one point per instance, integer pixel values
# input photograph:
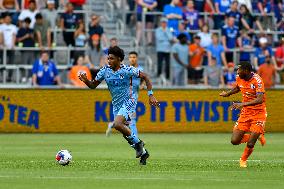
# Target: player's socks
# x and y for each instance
(262, 140)
(247, 153)
(139, 144)
(109, 129)
(245, 138)
(133, 138)
(133, 127)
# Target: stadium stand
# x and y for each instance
(122, 19)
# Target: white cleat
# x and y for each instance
(109, 129)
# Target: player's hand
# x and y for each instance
(224, 94)
(83, 77)
(153, 101)
(237, 106)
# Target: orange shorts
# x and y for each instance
(252, 121)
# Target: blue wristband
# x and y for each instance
(150, 93)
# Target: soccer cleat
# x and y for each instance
(144, 157)
(243, 164)
(109, 129)
(139, 149)
(262, 140)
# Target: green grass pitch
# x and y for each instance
(177, 161)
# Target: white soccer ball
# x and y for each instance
(63, 157)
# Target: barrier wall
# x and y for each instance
(47, 110)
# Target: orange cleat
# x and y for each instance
(243, 164)
(262, 140)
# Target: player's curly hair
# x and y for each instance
(245, 66)
(116, 51)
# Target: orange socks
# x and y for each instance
(247, 153)
(245, 138)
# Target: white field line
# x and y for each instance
(146, 178)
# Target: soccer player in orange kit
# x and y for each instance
(253, 110)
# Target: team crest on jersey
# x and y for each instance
(252, 86)
(121, 76)
(259, 85)
(108, 76)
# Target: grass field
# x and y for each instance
(177, 161)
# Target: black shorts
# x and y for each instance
(194, 74)
(149, 18)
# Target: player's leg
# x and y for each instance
(132, 124)
(237, 136)
(249, 148)
(122, 128)
(133, 128)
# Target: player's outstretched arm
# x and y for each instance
(152, 100)
(234, 90)
(91, 84)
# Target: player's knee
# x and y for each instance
(250, 144)
(116, 125)
(235, 142)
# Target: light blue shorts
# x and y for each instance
(127, 110)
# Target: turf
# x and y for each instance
(177, 161)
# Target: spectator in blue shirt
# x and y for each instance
(191, 16)
(96, 28)
(145, 6)
(230, 75)
(69, 21)
(265, 7)
(174, 14)
(45, 72)
(262, 52)
(221, 7)
(164, 38)
(233, 11)
(216, 50)
(25, 38)
(247, 44)
(230, 37)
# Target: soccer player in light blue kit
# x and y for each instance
(136, 84)
(118, 77)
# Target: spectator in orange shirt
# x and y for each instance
(267, 72)
(76, 69)
(196, 53)
(279, 55)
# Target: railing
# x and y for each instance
(109, 10)
(120, 27)
(18, 67)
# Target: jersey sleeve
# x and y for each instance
(101, 74)
(259, 85)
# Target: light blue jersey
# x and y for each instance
(136, 84)
(135, 92)
(119, 85)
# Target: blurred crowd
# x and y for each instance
(194, 41)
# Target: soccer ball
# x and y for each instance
(63, 157)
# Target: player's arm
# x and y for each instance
(152, 100)
(258, 100)
(234, 90)
(91, 84)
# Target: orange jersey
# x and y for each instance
(73, 75)
(249, 90)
